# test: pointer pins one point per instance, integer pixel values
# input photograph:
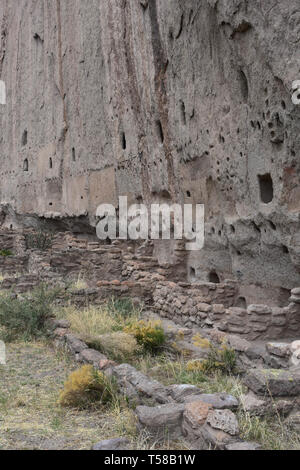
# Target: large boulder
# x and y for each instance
(216, 400)
(274, 382)
(161, 420)
(180, 392)
(134, 384)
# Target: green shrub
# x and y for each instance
(41, 240)
(24, 317)
(121, 307)
(222, 359)
(86, 387)
(148, 334)
(6, 253)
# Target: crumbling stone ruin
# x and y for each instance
(161, 101)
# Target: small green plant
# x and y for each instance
(25, 317)
(121, 307)
(148, 334)
(86, 387)
(41, 240)
(222, 359)
(6, 253)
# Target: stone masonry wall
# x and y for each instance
(132, 270)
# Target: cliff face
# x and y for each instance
(159, 100)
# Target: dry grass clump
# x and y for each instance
(86, 387)
(93, 321)
(119, 346)
(79, 283)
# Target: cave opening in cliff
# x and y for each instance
(73, 154)
(192, 274)
(24, 138)
(241, 303)
(123, 141)
(244, 86)
(25, 165)
(266, 188)
(160, 132)
(213, 277)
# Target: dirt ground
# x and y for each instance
(30, 417)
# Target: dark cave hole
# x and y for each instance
(192, 273)
(256, 227)
(73, 154)
(213, 277)
(25, 165)
(160, 132)
(50, 163)
(266, 188)
(241, 303)
(183, 114)
(24, 138)
(123, 141)
(244, 85)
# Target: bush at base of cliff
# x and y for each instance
(25, 316)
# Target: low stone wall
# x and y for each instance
(263, 322)
(192, 304)
(126, 269)
(207, 304)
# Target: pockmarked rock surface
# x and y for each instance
(274, 382)
(160, 101)
(224, 420)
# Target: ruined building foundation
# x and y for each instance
(158, 100)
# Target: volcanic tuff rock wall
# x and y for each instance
(159, 100)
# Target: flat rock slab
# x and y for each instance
(131, 379)
(194, 417)
(279, 349)
(254, 405)
(218, 401)
(195, 413)
(91, 356)
(120, 443)
(214, 439)
(224, 420)
(243, 446)
(182, 391)
(75, 344)
(277, 382)
(161, 418)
